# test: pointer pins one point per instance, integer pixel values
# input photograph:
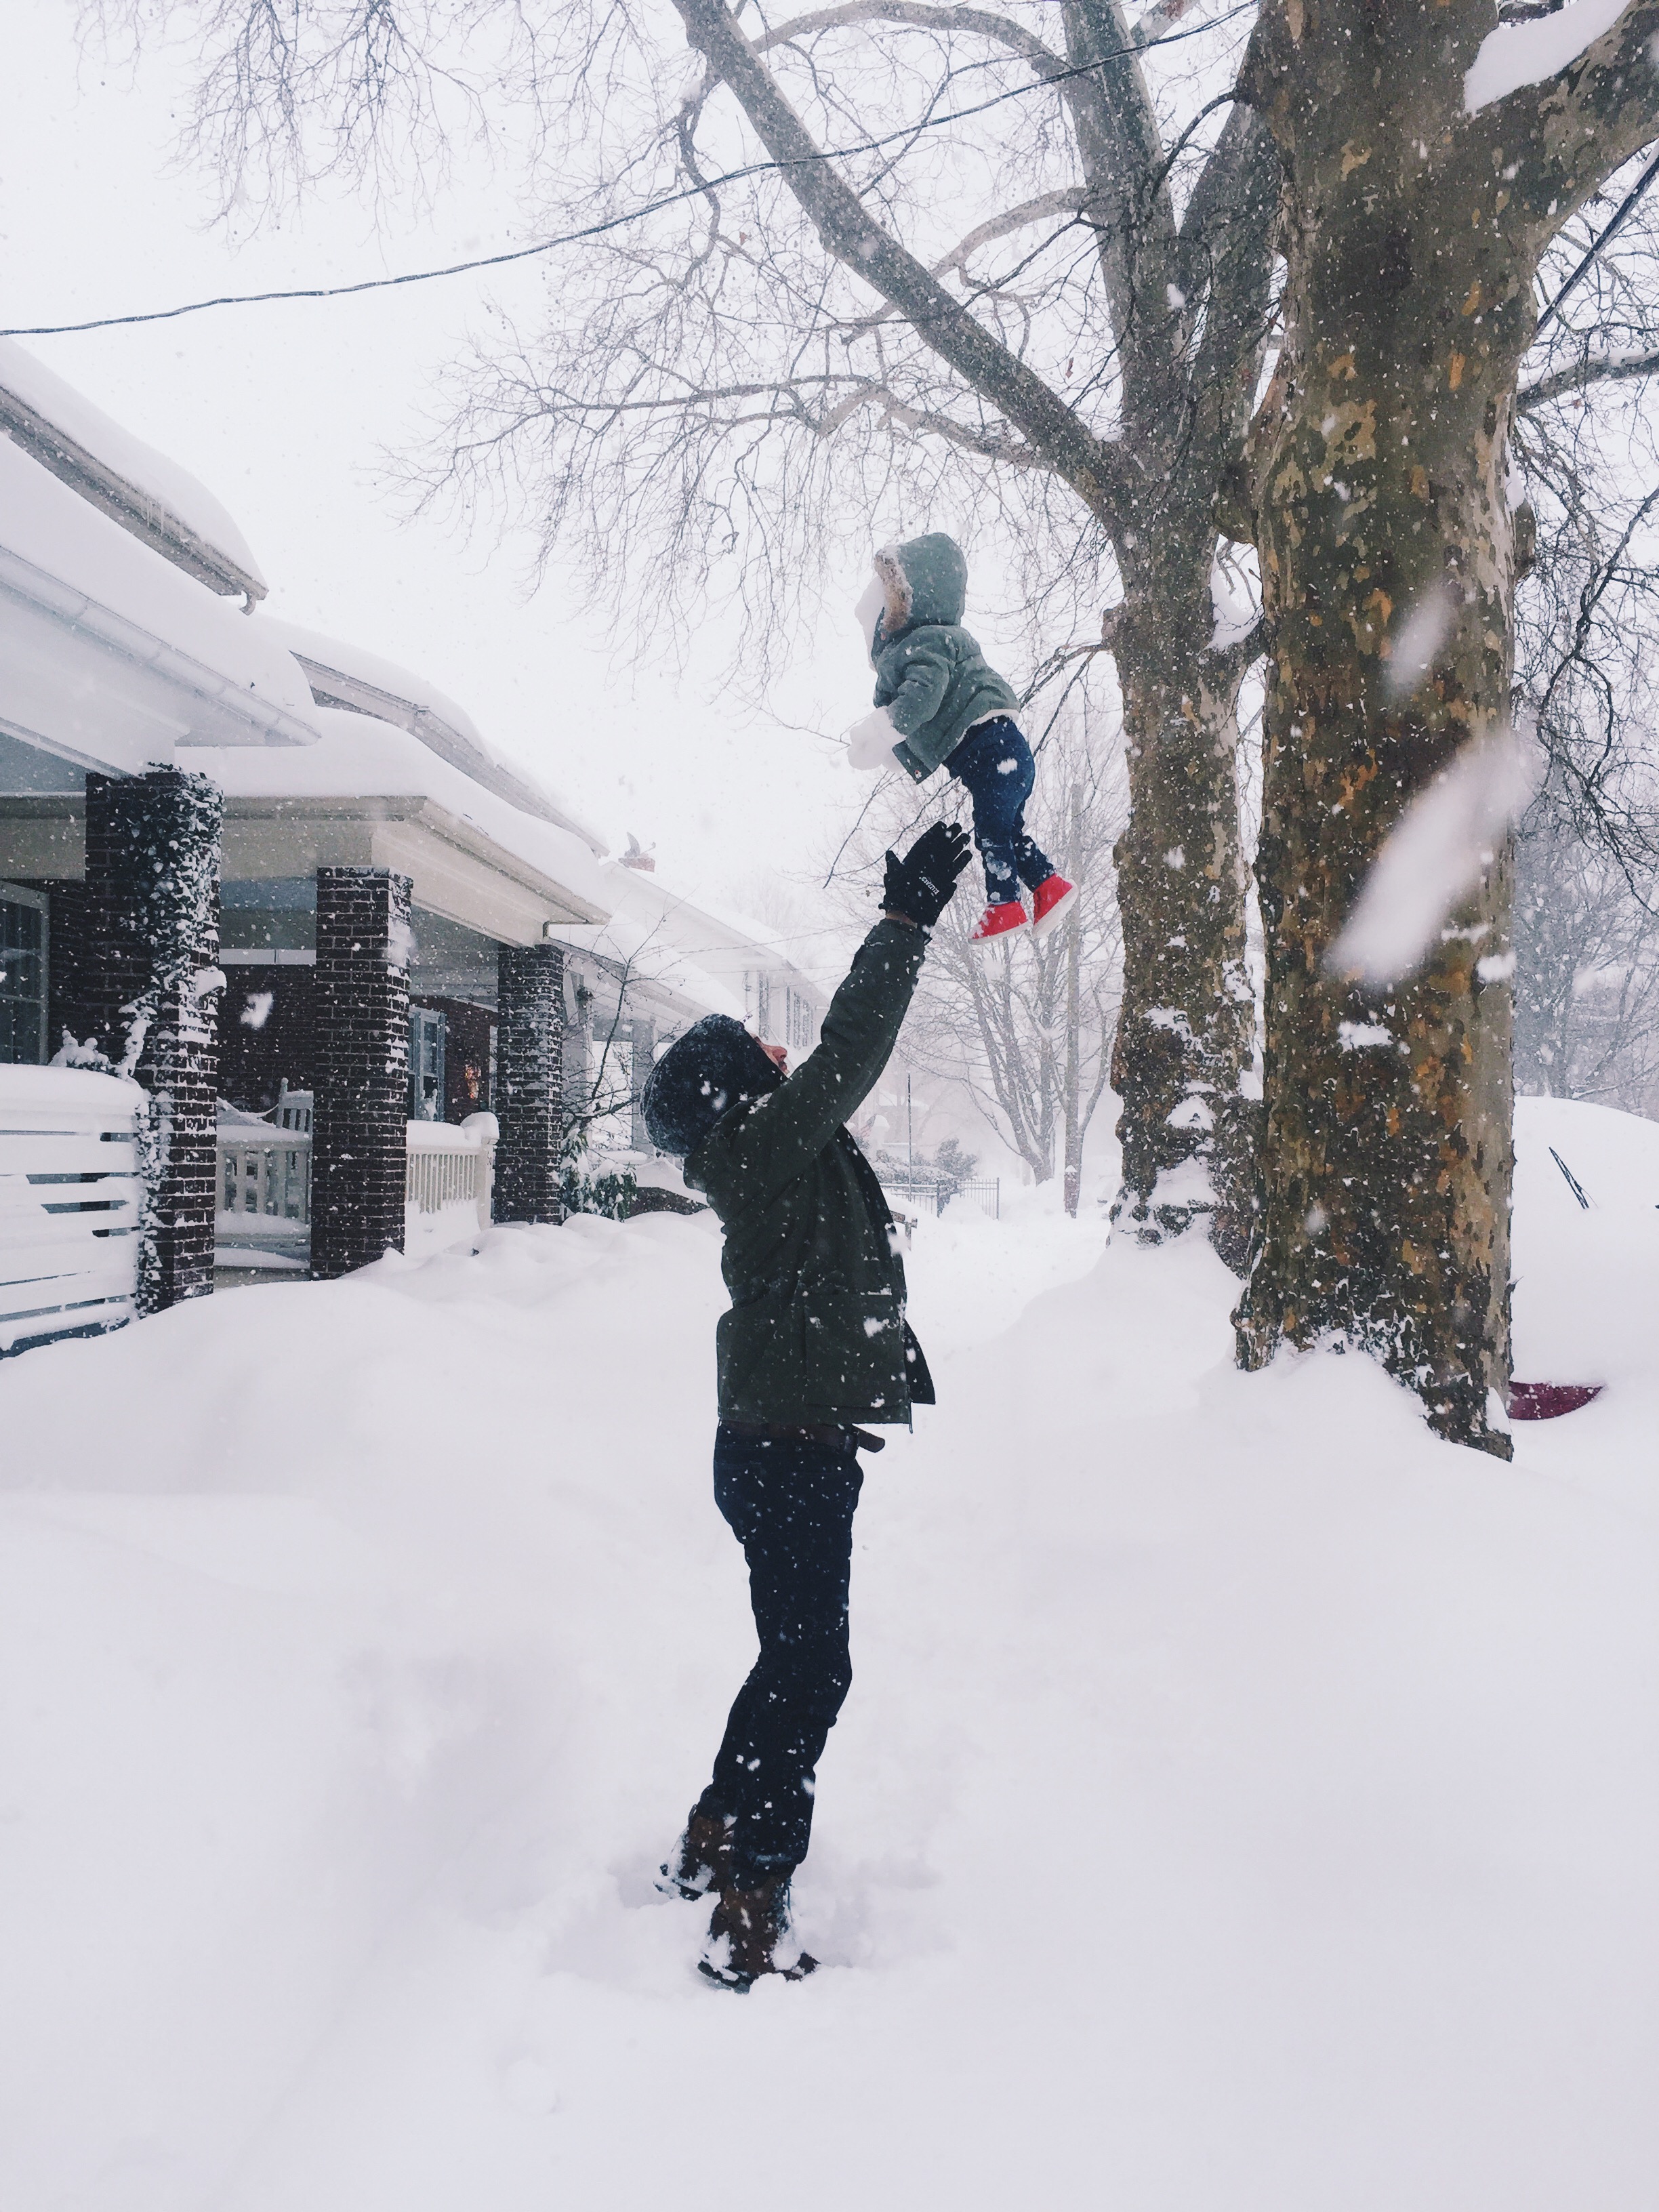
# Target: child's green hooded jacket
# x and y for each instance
(930, 674)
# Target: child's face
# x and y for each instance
(869, 611)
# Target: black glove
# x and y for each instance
(922, 885)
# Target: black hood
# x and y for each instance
(714, 1067)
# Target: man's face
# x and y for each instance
(778, 1056)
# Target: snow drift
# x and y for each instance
(1246, 1803)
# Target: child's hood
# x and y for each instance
(925, 579)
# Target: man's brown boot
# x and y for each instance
(750, 1934)
(702, 1858)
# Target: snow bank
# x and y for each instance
(1526, 53)
(46, 394)
(1245, 1803)
(83, 1090)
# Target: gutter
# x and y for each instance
(86, 617)
(144, 517)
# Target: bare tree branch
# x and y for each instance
(981, 22)
(1579, 376)
(1095, 470)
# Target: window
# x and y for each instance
(22, 974)
(427, 1040)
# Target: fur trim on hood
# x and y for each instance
(899, 595)
(925, 579)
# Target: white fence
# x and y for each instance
(933, 1198)
(451, 1173)
(263, 1206)
(265, 1179)
(264, 1184)
(71, 1197)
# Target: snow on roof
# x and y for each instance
(345, 676)
(362, 757)
(87, 597)
(149, 495)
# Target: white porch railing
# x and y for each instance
(264, 1182)
(69, 1203)
(452, 1174)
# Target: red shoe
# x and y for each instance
(998, 921)
(1053, 900)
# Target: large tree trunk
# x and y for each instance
(1186, 1026)
(1413, 232)
(1385, 1169)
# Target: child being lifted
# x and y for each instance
(940, 704)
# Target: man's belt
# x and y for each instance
(794, 1432)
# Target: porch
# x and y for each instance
(262, 1222)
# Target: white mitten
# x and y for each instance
(870, 743)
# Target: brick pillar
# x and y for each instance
(359, 1155)
(150, 928)
(530, 1083)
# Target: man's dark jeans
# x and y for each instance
(790, 1503)
(994, 764)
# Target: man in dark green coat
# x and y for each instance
(815, 1344)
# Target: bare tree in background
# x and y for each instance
(1586, 651)
(1587, 976)
(1005, 270)
(1002, 1023)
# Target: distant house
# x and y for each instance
(401, 779)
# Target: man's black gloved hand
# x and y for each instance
(921, 885)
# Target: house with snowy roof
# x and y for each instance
(358, 958)
(152, 739)
(120, 657)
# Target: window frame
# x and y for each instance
(19, 895)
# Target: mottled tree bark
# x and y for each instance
(1413, 232)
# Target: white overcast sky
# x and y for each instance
(284, 411)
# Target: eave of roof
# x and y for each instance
(148, 518)
(342, 677)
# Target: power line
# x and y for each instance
(619, 221)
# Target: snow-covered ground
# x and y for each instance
(1244, 1802)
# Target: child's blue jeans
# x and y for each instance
(994, 764)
